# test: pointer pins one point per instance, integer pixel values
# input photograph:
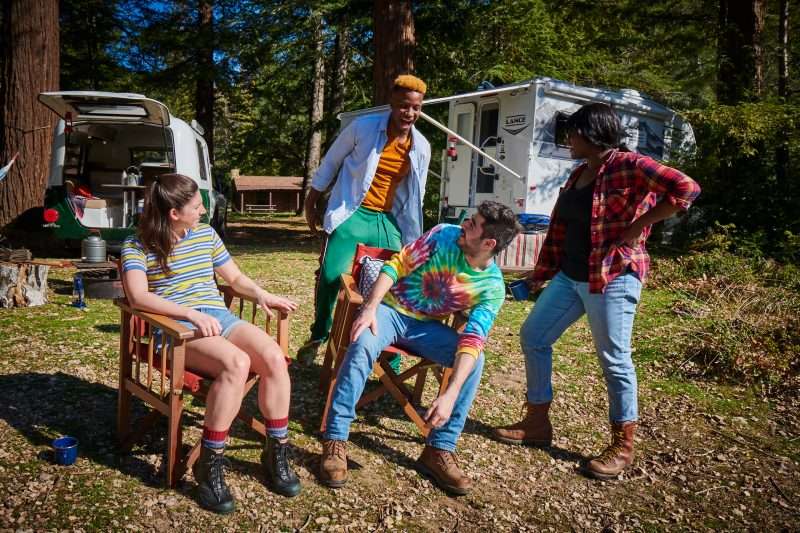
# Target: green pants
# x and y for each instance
(365, 226)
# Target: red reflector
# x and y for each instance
(50, 215)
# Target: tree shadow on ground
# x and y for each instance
(44, 406)
(372, 415)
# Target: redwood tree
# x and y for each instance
(741, 54)
(204, 87)
(29, 61)
(395, 41)
(314, 148)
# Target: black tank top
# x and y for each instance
(575, 210)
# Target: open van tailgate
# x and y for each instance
(96, 106)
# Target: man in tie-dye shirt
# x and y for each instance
(448, 269)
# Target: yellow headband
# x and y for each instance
(412, 83)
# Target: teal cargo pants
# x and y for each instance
(365, 226)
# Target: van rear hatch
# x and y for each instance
(96, 106)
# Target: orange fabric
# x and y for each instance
(392, 169)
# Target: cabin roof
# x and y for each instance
(268, 183)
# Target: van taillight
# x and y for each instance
(50, 215)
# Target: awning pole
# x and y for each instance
(463, 140)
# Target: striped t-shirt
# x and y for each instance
(191, 263)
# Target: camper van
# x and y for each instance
(522, 127)
(107, 148)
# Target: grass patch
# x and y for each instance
(737, 319)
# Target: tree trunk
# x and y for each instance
(783, 50)
(339, 78)
(782, 151)
(23, 285)
(394, 39)
(740, 53)
(204, 90)
(29, 61)
(314, 150)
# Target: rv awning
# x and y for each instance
(96, 106)
(433, 101)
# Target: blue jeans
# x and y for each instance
(430, 339)
(610, 316)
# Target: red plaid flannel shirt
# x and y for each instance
(628, 185)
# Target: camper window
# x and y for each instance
(202, 161)
(561, 129)
(149, 156)
(463, 125)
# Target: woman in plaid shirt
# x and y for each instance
(595, 258)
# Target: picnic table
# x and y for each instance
(260, 209)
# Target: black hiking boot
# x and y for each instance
(209, 473)
(280, 476)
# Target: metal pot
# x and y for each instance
(93, 249)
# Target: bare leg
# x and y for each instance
(266, 360)
(229, 366)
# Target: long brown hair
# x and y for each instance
(167, 192)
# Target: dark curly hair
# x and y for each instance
(499, 223)
(598, 124)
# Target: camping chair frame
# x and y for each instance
(159, 377)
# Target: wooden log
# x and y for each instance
(23, 284)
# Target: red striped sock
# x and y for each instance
(277, 428)
(213, 438)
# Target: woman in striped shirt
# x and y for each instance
(168, 268)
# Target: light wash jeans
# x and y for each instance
(430, 339)
(610, 316)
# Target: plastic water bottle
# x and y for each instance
(77, 292)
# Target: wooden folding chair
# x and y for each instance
(347, 304)
(159, 377)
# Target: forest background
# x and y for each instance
(267, 78)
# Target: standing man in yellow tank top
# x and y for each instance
(380, 164)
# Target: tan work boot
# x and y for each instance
(441, 466)
(333, 465)
(618, 456)
(535, 429)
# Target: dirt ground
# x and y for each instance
(710, 456)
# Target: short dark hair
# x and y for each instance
(598, 124)
(499, 223)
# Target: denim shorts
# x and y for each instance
(227, 320)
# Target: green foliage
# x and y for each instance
(262, 70)
(736, 165)
(737, 316)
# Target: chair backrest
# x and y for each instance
(368, 251)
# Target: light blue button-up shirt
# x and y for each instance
(355, 155)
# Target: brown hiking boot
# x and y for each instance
(441, 466)
(535, 429)
(617, 457)
(333, 465)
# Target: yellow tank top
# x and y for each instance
(392, 169)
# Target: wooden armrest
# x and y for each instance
(230, 292)
(168, 325)
(350, 288)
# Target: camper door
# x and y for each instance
(459, 170)
(485, 176)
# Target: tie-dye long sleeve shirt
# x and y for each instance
(433, 279)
